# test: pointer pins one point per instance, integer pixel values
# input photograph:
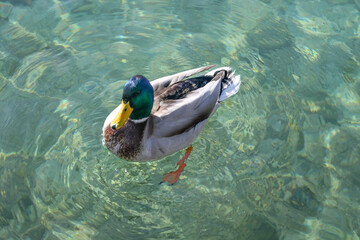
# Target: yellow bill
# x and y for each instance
(122, 116)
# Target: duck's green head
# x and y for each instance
(137, 101)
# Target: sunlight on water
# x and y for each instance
(279, 160)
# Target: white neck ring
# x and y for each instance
(139, 120)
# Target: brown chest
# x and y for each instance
(125, 142)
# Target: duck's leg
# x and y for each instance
(172, 177)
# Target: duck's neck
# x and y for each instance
(142, 108)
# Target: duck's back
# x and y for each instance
(182, 108)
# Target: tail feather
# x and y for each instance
(230, 84)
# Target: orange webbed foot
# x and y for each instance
(172, 177)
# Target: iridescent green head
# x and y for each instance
(137, 101)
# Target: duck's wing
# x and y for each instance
(164, 82)
(184, 104)
(175, 122)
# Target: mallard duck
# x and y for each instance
(161, 117)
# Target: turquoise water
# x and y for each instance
(280, 160)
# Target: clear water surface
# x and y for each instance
(280, 160)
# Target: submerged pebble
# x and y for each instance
(277, 125)
(269, 34)
(304, 199)
(5, 9)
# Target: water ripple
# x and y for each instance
(278, 160)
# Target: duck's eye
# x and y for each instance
(137, 93)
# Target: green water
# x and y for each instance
(280, 160)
